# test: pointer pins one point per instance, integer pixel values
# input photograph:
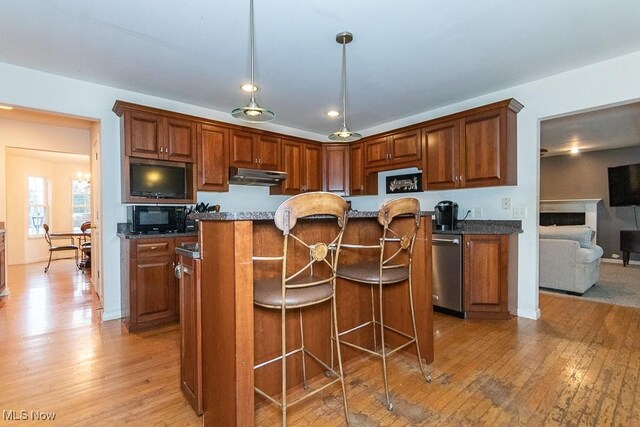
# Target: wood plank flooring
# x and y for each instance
(577, 365)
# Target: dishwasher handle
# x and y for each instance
(452, 241)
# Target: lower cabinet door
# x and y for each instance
(486, 271)
(155, 288)
(190, 333)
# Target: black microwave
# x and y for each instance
(156, 219)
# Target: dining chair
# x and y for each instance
(61, 248)
(85, 245)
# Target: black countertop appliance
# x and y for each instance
(446, 215)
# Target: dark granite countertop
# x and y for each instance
(266, 216)
(124, 233)
(488, 226)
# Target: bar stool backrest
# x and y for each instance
(322, 254)
(398, 238)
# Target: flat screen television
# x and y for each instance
(157, 181)
(624, 185)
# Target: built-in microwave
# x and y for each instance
(156, 219)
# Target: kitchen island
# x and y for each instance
(234, 332)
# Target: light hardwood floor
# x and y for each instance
(578, 364)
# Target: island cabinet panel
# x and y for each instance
(3, 265)
(254, 150)
(486, 276)
(213, 158)
(335, 159)
(236, 334)
(190, 332)
(442, 147)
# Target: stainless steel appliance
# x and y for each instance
(156, 219)
(446, 215)
(264, 178)
(447, 274)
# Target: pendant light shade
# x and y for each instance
(252, 112)
(344, 134)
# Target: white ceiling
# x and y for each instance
(407, 56)
(605, 128)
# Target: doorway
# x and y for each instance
(59, 156)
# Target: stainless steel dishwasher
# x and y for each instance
(447, 274)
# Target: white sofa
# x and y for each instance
(569, 260)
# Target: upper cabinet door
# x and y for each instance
(484, 149)
(335, 159)
(441, 158)
(180, 140)
(268, 152)
(144, 136)
(376, 152)
(242, 149)
(213, 158)
(405, 147)
(292, 165)
(312, 157)
(356, 169)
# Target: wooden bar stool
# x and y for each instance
(392, 268)
(302, 283)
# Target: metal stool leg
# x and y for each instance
(335, 329)
(384, 353)
(49, 263)
(426, 375)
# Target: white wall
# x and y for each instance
(599, 84)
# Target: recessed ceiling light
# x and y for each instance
(6, 107)
(575, 150)
(332, 113)
(247, 87)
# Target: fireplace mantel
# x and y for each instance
(588, 206)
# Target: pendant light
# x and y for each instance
(344, 134)
(252, 112)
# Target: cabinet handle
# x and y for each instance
(362, 188)
(153, 248)
(259, 161)
(178, 271)
(461, 179)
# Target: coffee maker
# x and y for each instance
(446, 215)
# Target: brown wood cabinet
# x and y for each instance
(3, 268)
(335, 168)
(254, 150)
(191, 332)
(302, 161)
(402, 149)
(148, 283)
(213, 157)
(475, 148)
(152, 135)
(356, 170)
(486, 276)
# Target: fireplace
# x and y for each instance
(570, 212)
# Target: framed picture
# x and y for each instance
(410, 183)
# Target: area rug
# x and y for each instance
(616, 285)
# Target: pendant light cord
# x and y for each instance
(252, 36)
(344, 82)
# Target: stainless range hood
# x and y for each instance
(244, 176)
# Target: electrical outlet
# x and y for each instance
(477, 213)
(506, 203)
(519, 213)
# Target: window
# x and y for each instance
(38, 208)
(80, 203)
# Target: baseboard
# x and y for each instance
(528, 313)
(619, 261)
